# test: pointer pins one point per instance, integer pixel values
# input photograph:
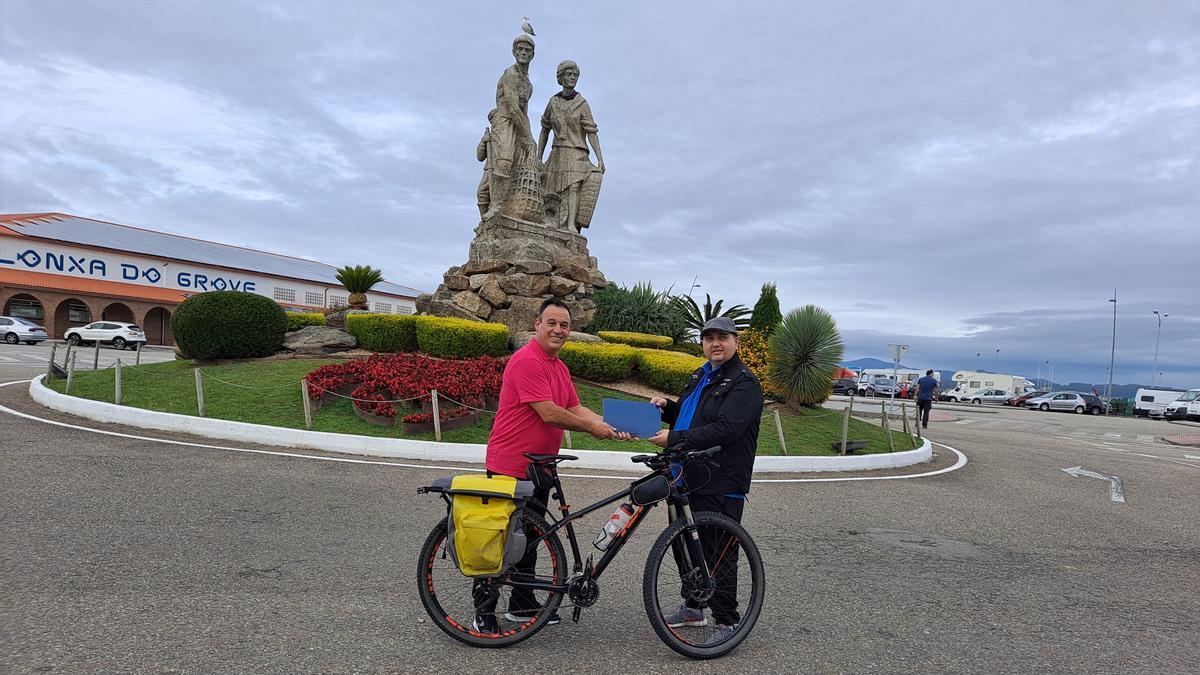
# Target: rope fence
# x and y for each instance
(436, 400)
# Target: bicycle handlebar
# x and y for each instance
(675, 454)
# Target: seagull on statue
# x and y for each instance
(526, 26)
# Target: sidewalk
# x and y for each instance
(1190, 439)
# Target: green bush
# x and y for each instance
(228, 325)
(665, 371)
(636, 339)
(598, 362)
(298, 320)
(452, 338)
(639, 309)
(692, 348)
(766, 315)
(384, 332)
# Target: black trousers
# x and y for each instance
(722, 560)
(925, 407)
(522, 599)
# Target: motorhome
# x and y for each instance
(967, 382)
(868, 375)
(1153, 402)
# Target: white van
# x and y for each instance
(1186, 407)
(1153, 402)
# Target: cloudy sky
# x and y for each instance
(960, 177)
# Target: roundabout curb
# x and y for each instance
(402, 448)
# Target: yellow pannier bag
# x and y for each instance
(486, 530)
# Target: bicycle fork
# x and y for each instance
(697, 580)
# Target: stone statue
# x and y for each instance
(511, 148)
(483, 193)
(569, 172)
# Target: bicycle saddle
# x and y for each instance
(548, 459)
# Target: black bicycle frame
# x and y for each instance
(675, 500)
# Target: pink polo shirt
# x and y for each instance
(530, 376)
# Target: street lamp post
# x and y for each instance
(1154, 368)
(1112, 355)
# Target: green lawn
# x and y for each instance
(268, 392)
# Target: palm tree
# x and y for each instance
(358, 279)
(697, 317)
(805, 351)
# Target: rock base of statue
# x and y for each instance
(512, 267)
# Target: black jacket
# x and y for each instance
(727, 415)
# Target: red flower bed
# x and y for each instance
(422, 418)
(382, 378)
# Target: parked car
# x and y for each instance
(880, 386)
(993, 396)
(845, 385)
(1019, 401)
(1068, 401)
(115, 333)
(17, 330)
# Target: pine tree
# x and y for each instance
(766, 316)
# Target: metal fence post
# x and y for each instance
(437, 417)
(138, 354)
(307, 404)
(199, 392)
(50, 365)
(70, 373)
(779, 430)
(96, 358)
(117, 396)
(888, 428)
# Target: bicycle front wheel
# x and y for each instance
(696, 618)
(485, 612)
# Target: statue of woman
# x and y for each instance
(569, 170)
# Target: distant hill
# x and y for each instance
(868, 362)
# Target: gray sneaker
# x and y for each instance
(720, 634)
(686, 616)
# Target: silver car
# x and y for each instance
(1066, 401)
(17, 330)
(994, 396)
(881, 386)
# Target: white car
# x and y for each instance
(115, 333)
(17, 330)
(996, 396)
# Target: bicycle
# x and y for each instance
(694, 562)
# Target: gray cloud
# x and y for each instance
(951, 176)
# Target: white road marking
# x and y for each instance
(1112, 435)
(967, 420)
(1115, 492)
(962, 459)
(1145, 437)
(1079, 432)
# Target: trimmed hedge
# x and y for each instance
(635, 339)
(692, 348)
(452, 338)
(298, 320)
(228, 325)
(384, 332)
(665, 371)
(598, 362)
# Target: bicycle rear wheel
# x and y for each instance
(723, 615)
(450, 598)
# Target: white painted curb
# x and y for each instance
(409, 449)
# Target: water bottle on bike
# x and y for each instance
(613, 527)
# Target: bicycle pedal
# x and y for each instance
(575, 614)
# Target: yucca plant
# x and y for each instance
(358, 279)
(696, 317)
(805, 351)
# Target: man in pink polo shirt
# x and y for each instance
(537, 402)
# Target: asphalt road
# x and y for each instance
(122, 554)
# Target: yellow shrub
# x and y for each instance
(635, 339)
(598, 362)
(754, 348)
(452, 338)
(666, 371)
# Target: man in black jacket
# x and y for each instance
(720, 405)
